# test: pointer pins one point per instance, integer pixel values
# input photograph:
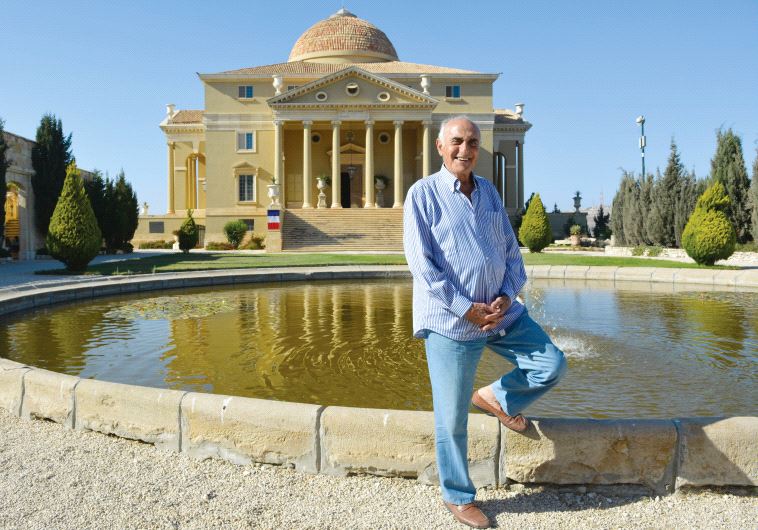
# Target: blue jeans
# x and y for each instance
(452, 366)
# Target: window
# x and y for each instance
(384, 138)
(453, 91)
(246, 141)
(156, 227)
(250, 224)
(245, 91)
(246, 188)
(315, 138)
(352, 89)
(321, 96)
(383, 96)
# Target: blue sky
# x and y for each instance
(585, 70)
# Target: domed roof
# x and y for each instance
(343, 38)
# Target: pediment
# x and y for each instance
(349, 149)
(243, 165)
(352, 87)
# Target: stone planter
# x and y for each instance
(321, 185)
(273, 194)
(380, 186)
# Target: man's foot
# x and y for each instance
(484, 399)
(469, 514)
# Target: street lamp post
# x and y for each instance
(641, 120)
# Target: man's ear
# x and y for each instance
(438, 143)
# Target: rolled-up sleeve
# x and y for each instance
(423, 256)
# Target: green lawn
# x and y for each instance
(550, 258)
(224, 260)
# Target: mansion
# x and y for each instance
(343, 124)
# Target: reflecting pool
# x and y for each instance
(634, 350)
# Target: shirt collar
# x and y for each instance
(453, 182)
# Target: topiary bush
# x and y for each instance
(73, 236)
(256, 242)
(219, 245)
(534, 231)
(188, 234)
(157, 243)
(235, 232)
(709, 235)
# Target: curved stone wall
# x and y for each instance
(660, 455)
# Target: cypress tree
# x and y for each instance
(633, 222)
(754, 198)
(655, 223)
(126, 212)
(73, 237)
(535, 230)
(617, 210)
(689, 190)
(601, 223)
(728, 167)
(4, 164)
(51, 155)
(664, 201)
(95, 189)
(643, 207)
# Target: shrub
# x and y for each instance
(256, 243)
(156, 244)
(654, 251)
(219, 245)
(73, 236)
(575, 230)
(535, 228)
(639, 250)
(188, 233)
(709, 235)
(235, 232)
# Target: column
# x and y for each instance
(368, 168)
(307, 171)
(193, 182)
(171, 178)
(398, 180)
(426, 149)
(278, 152)
(188, 184)
(336, 177)
(520, 151)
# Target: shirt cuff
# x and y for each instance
(460, 305)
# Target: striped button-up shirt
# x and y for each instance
(459, 251)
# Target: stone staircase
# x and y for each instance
(327, 230)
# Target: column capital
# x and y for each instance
(307, 123)
(336, 123)
(369, 123)
(427, 123)
(398, 123)
(278, 123)
(171, 143)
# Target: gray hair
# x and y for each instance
(443, 125)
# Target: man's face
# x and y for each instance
(459, 147)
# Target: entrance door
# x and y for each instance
(345, 189)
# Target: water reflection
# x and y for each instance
(633, 350)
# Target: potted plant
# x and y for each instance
(575, 232)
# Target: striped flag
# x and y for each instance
(274, 222)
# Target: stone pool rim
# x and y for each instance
(658, 455)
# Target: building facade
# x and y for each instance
(21, 236)
(342, 107)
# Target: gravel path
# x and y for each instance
(52, 477)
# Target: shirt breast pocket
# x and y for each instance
(494, 230)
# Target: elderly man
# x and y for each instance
(467, 271)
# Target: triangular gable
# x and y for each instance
(374, 91)
(350, 148)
